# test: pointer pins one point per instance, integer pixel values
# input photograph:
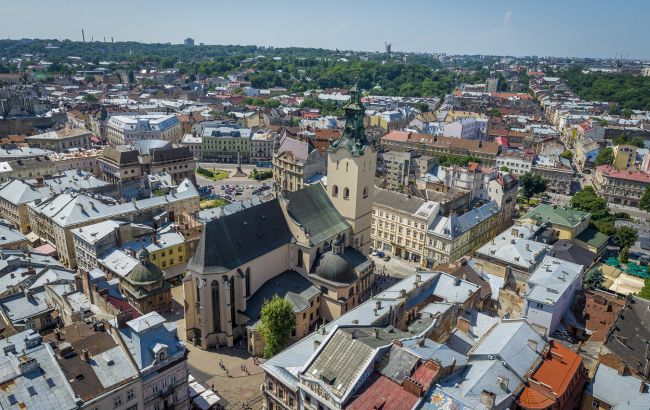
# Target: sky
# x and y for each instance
(578, 28)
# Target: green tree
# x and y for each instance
(90, 98)
(131, 77)
(566, 154)
(605, 156)
(504, 168)
(593, 279)
(89, 79)
(277, 322)
(494, 113)
(644, 203)
(532, 184)
(623, 256)
(626, 236)
(645, 292)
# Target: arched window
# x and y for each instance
(346, 193)
(216, 308)
(300, 257)
(365, 192)
(347, 166)
(335, 191)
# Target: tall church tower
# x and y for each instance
(351, 164)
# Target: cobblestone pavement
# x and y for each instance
(240, 388)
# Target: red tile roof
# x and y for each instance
(612, 172)
(554, 376)
(425, 374)
(382, 393)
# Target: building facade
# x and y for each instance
(125, 129)
(620, 186)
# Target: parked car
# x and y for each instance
(387, 258)
(379, 254)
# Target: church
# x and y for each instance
(309, 246)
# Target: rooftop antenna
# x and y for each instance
(83, 36)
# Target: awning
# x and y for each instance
(207, 400)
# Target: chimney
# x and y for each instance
(316, 344)
(378, 305)
(463, 324)
(528, 247)
(488, 399)
(375, 333)
(85, 354)
(418, 278)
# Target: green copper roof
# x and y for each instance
(145, 274)
(557, 215)
(592, 237)
(354, 135)
(312, 208)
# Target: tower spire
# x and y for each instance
(354, 135)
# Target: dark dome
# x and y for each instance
(145, 274)
(335, 268)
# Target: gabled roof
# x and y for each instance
(233, 240)
(312, 209)
(18, 192)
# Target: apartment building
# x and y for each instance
(403, 168)
(624, 156)
(620, 186)
(54, 219)
(517, 162)
(586, 151)
(557, 171)
(14, 197)
(451, 236)
(125, 129)
(296, 163)
(148, 157)
(221, 143)
(261, 146)
(85, 160)
(399, 224)
(61, 140)
(29, 168)
(431, 145)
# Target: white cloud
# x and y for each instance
(507, 18)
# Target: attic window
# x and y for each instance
(50, 382)
(12, 399)
(32, 391)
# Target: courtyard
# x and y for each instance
(239, 387)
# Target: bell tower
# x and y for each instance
(351, 164)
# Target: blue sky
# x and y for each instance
(594, 28)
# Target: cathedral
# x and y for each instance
(309, 246)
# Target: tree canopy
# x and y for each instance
(644, 203)
(626, 236)
(277, 322)
(629, 91)
(605, 156)
(593, 279)
(588, 201)
(532, 184)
